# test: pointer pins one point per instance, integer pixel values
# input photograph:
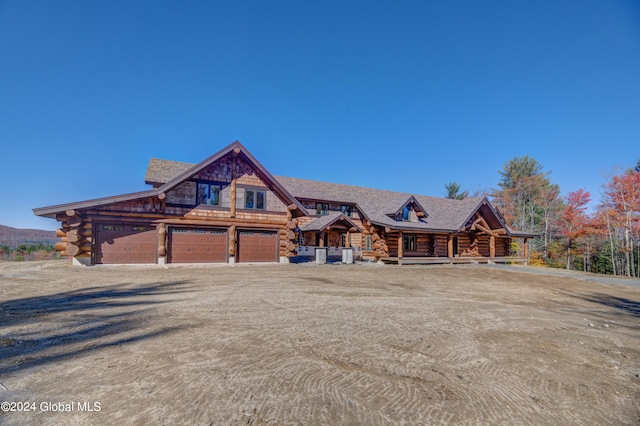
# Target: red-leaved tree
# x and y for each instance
(575, 219)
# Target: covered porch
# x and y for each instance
(331, 233)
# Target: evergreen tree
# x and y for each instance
(453, 191)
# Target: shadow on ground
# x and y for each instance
(619, 307)
(36, 331)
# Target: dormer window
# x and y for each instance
(346, 210)
(406, 213)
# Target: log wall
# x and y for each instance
(392, 243)
(440, 245)
(464, 243)
(483, 245)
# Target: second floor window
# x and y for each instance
(322, 209)
(209, 194)
(254, 199)
(346, 210)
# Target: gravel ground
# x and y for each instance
(310, 344)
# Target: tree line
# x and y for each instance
(605, 240)
(31, 251)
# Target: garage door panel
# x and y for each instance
(197, 245)
(122, 244)
(258, 246)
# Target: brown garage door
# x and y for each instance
(198, 245)
(120, 243)
(257, 246)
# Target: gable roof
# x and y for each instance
(411, 201)
(170, 174)
(441, 214)
(162, 171)
(238, 149)
(333, 217)
(375, 204)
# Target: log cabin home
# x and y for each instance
(230, 209)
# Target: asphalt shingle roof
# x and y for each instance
(443, 213)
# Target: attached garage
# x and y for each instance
(123, 243)
(257, 246)
(197, 245)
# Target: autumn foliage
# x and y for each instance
(573, 233)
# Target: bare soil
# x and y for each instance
(309, 344)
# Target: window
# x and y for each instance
(406, 211)
(112, 228)
(343, 240)
(346, 210)
(254, 199)
(368, 242)
(141, 228)
(322, 209)
(410, 243)
(209, 194)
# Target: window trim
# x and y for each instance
(322, 209)
(408, 241)
(209, 184)
(368, 242)
(255, 199)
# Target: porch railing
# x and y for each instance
(331, 251)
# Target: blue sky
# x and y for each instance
(400, 95)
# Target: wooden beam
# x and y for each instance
(231, 243)
(74, 221)
(162, 238)
(400, 245)
(485, 230)
(234, 180)
(492, 246)
(450, 245)
(73, 236)
(484, 223)
(221, 224)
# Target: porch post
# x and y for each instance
(162, 244)
(492, 246)
(400, 244)
(347, 238)
(526, 251)
(450, 245)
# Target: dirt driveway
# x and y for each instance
(309, 344)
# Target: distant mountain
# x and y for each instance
(13, 237)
